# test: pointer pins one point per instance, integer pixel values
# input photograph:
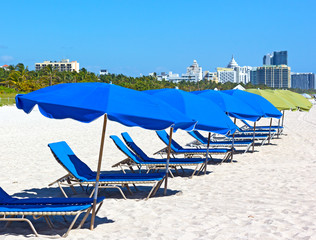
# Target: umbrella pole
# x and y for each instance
(207, 150)
(270, 130)
(254, 133)
(278, 128)
(98, 173)
(168, 159)
(232, 154)
(283, 118)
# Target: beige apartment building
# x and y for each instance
(61, 66)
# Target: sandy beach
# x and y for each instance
(269, 194)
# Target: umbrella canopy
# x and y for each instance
(86, 102)
(279, 102)
(305, 95)
(208, 115)
(298, 100)
(231, 105)
(258, 103)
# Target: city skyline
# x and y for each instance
(141, 37)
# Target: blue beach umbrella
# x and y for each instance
(258, 103)
(86, 102)
(208, 115)
(231, 105)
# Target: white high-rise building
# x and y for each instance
(226, 75)
(194, 73)
(243, 74)
(234, 73)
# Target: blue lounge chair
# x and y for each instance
(203, 140)
(140, 153)
(241, 137)
(80, 174)
(11, 207)
(152, 164)
(266, 128)
(176, 149)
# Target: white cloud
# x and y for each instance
(6, 58)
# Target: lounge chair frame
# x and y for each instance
(129, 162)
(164, 151)
(70, 181)
(200, 140)
(10, 217)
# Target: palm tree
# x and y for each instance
(51, 74)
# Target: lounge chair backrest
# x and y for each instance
(163, 135)
(198, 136)
(65, 156)
(245, 122)
(120, 145)
(129, 141)
(4, 197)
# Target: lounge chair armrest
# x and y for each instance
(126, 161)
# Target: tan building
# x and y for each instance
(210, 76)
(61, 66)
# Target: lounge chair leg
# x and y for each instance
(8, 223)
(62, 190)
(48, 222)
(195, 170)
(64, 218)
(171, 174)
(96, 212)
(151, 191)
(92, 193)
(129, 190)
(84, 218)
(175, 168)
(122, 193)
(72, 224)
(157, 187)
(72, 188)
(21, 220)
(111, 187)
(201, 169)
(247, 149)
(135, 187)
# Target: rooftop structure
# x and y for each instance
(104, 72)
(234, 73)
(232, 63)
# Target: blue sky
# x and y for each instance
(133, 37)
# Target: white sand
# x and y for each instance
(270, 194)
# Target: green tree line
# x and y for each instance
(21, 79)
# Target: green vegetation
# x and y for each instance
(19, 79)
(7, 96)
